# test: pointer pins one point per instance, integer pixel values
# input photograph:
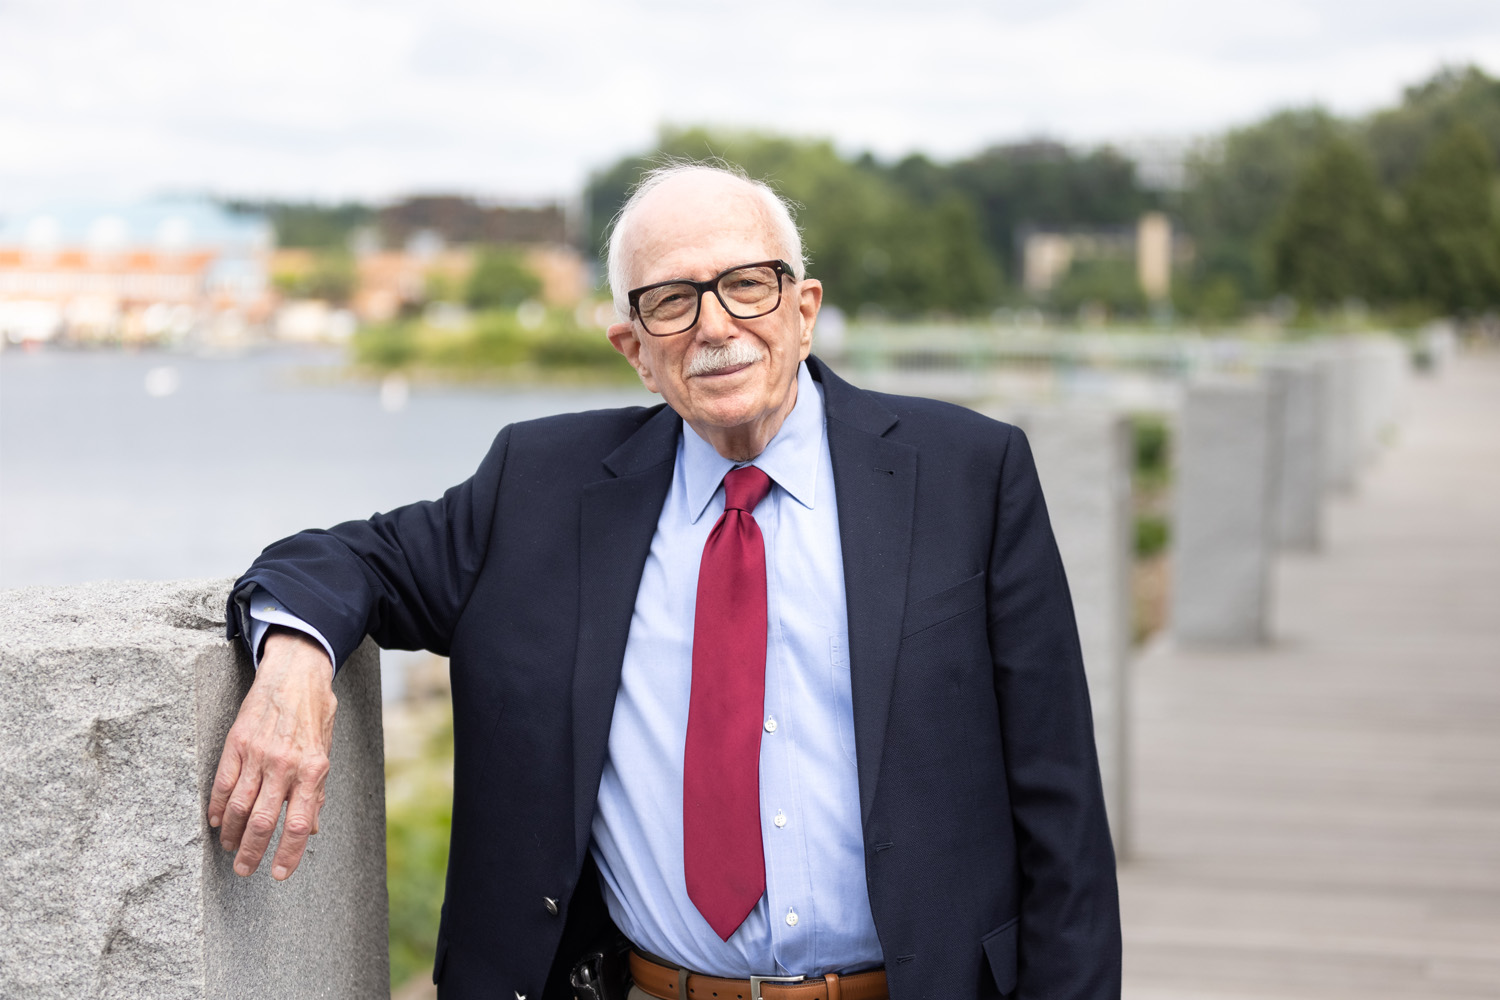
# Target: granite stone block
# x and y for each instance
(1225, 501)
(118, 697)
(1300, 385)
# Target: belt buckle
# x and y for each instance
(755, 982)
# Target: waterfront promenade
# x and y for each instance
(1320, 817)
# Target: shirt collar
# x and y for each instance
(791, 459)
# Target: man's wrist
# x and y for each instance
(284, 645)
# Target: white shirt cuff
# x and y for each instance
(265, 612)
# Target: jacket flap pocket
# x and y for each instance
(945, 604)
(1000, 949)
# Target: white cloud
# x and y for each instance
(332, 98)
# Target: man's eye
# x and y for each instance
(746, 284)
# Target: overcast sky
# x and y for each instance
(103, 99)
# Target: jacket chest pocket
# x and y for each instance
(944, 606)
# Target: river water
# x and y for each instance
(157, 466)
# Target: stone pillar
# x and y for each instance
(1225, 502)
(117, 700)
(1340, 416)
(1379, 386)
(1084, 460)
(1437, 343)
(1300, 387)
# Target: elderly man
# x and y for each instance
(780, 679)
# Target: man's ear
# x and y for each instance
(809, 301)
(624, 339)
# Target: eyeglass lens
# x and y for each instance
(747, 292)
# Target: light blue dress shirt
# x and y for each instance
(815, 916)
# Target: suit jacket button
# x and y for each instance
(550, 904)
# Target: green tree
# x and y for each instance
(1110, 284)
(1452, 228)
(501, 279)
(1399, 137)
(1043, 183)
(330, 278)
(310, 225)
(1236, 185)
(1332, 239)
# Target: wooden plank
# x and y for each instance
(1320, 817)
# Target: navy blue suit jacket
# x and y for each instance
(988, 856)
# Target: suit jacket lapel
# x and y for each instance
(618, 520)
(876, 482)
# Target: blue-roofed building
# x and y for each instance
(154, 270)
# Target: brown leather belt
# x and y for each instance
(667, 983)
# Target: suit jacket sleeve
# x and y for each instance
(1069, 926)
(402, 577)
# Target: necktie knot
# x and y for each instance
(745, 488)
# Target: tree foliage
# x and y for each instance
(1237, 184)
(1399, 137)
(1046, 184)
(501, 279)
(310, 225)
(1332, 241)
(1452, 231)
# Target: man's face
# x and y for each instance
(732, 380)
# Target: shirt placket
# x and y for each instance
(790, 906)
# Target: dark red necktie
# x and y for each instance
(721, 846)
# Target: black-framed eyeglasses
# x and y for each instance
(745, 291)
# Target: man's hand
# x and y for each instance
(276, 752)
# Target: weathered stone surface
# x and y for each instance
(1223, 536)
(117, 700)
(1300, 385)
(1340, 415)
(1383, 368)
(1084, 459)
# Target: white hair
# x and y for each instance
(779, 214)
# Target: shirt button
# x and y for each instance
(791, 917)
(770, 725)
(550, 904)
(780, 819)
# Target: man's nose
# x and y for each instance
(714, 322)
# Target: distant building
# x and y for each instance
(133, 273)
(1048, 254)
(423, 249)
(457, 220)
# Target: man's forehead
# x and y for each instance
(698, 223)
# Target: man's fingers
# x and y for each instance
(237, 809)
(261, 824)
(301, 821)
(224, 781)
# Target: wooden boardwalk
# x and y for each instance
(1320, 818)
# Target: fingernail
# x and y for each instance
(242, 869)
(279, 872)
(213, 820)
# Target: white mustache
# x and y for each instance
(731, 354)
